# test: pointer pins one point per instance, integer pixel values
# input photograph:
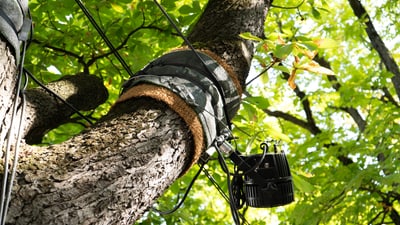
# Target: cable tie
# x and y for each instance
(23, 34)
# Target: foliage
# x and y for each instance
(323, 69)
(342, 165)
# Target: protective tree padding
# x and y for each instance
(184, 74)
(13, 16)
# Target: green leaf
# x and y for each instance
(316, 14)
(277, 134)
(316, 68)
(282, 51)
(185, 9)
(117, 8)
(301, 183)
(251, 111)
(250, 142)
(249, 36)
(282, 68)
(326, 43)
(258, 101)
(310, 45)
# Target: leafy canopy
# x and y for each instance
(320, 72)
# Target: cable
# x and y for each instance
(57, 96)
(237, 189)
(179, 204)
(6, 184)
(262, 72)
(221, 192)
(211, 74)
(234, 211)
(105, 38)
(265, 147)
(24, 36)
(16, 151)
(216, 185)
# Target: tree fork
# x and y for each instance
(102, 175)
(45, 112)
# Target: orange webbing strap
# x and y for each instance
(177, 104)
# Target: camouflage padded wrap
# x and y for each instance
(183, 73)
(13, 22)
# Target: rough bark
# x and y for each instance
(7, 89)
(112, 173)
(224, 21)
(45, 111)
(109, 175)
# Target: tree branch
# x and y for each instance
(294, 120)
(124, 42)
(378, 44)
(306, 107)
(389, 97)
(98, 175)
(63, 51)
(394, 215)
(112, 173)
(387, 203)
(354, 113)
(310, 124)
(45, 112)
(361, 123)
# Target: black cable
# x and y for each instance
(234, 211)
(265, 151)
(57, 96)
(237, 188)
(7, 182)
(211, 74)
(212, 77)
(261, 73)
(216, 185)
(16, 148)
(179, 204)
(104, 36)
(221, 192)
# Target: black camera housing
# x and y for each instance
(267, 181)
(270, 184)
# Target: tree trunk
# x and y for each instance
(46, 112)
(223, 21)
(7, 89)
(108, 175)
(114, 171)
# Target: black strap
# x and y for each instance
(10, 29)
(8, 20)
